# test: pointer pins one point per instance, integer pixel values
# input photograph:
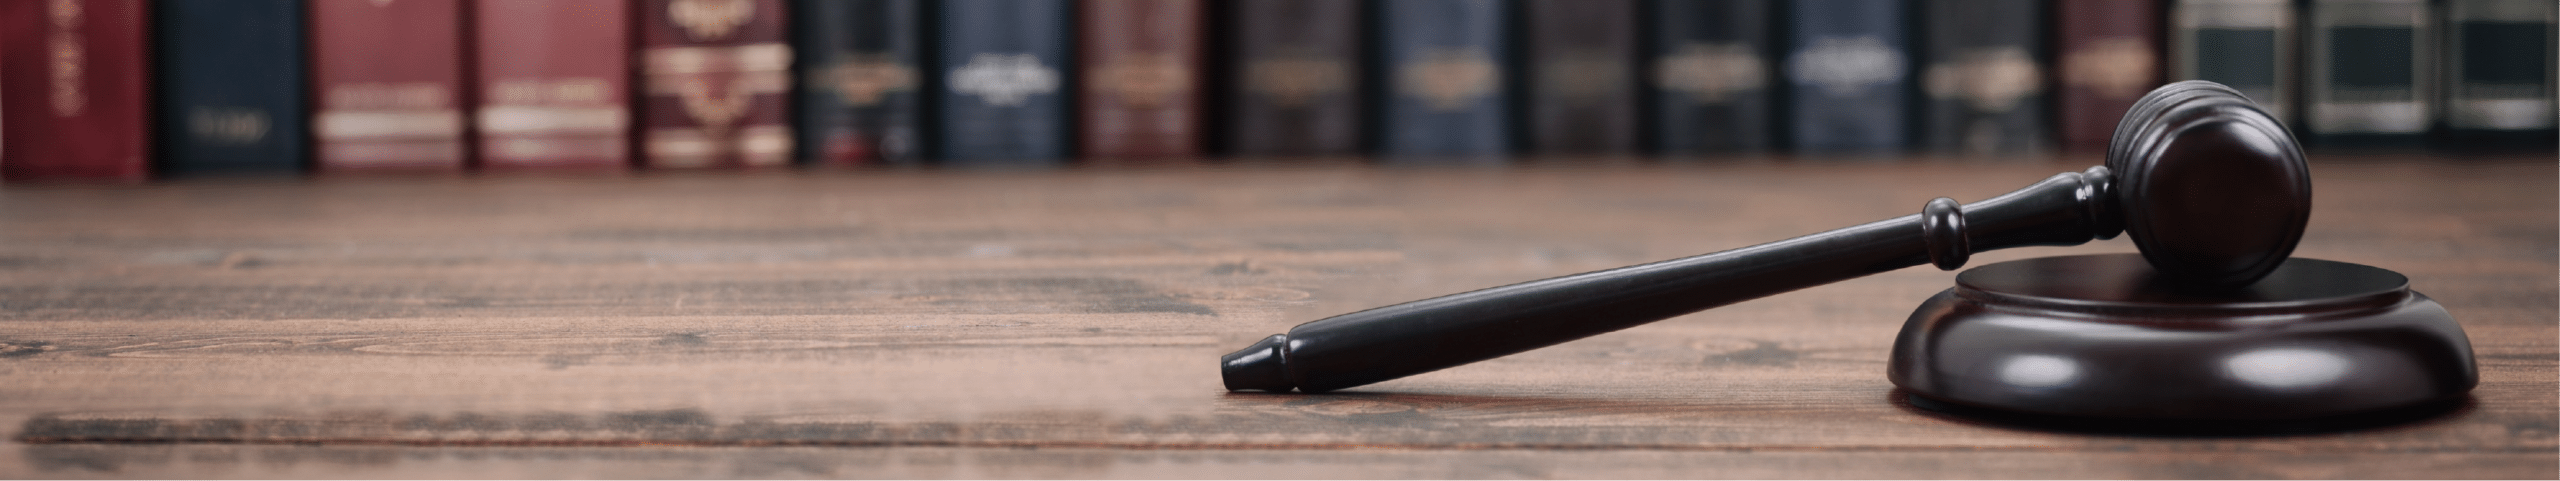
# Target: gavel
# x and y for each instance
(2213, 190)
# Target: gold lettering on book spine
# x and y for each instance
(1145, 80)
(2115, 67)
(860, 80)
(1295, 79)
(1449, 79)
(716, 108)
(69, 58)
(705, 20)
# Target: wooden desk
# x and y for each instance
(970, 324)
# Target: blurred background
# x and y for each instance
(127, 90)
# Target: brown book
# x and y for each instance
(387, 85)
(74, 90)
(715, 80)
(2107, 53)
(1141, 67)
(552, 82)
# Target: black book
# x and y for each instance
(2365, 82)
(858, 68)
(1293, 68)
(2245, 44)
(1579, 74)
(2498, 85)
(231, 86)
(1983, 79)
(1710, 76)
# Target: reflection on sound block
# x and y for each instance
(2399, 416)
(2104, 336)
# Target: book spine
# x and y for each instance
(552, 83)
(715, 76)
(1848, 71)
(1984, 77)
(231, 86)
(858, 68)
(1296, 71)
(2367, 81)
(999, 98)
(2499, 74)
(387, 85)
(1139, 63)
(2107, 56)
(1710, 76)
(1443, 68)
(75, 81)
(1581, 74)
(2245, 44)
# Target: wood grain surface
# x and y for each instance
(935, 324)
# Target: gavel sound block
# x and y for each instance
(2212, 321)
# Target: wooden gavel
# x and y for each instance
(2213, 190)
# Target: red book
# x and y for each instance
(387, 84)
(2107, 55)
(74, 90)
(715, 82)
(552, 83)
(1141, 67)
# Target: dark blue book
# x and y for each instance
(1848, 70)
(2498, 90)
(1983, 76)
(2367, 83)
(230, 78)
(1441, 74)
(1000, 92)
(1710, 78)
(858, 66)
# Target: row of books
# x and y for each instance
(128, 88)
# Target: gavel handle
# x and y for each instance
(1427, 335)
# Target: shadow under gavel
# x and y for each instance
(2213, 191)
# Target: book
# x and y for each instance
(75, 90)
(715, 76)
(999, 98)
(1984, 76)
(2366, 82)
(1580, 74)
(858, 69)
(1442, 63)
(2107, 54)
(551, 84)
(1711, 76)
(231, 85)
(1139, 68)
(386, 81)
(1294, 73)
(2245, 44)
(2498, 85)
(1848, 70)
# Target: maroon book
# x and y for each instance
(2107, 54)
(387, 85)
(74, 90)
(1141, 65)
(551, 80)
(715, 81)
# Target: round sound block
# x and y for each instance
(2104, 336)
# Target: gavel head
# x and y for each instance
(2212, 189)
